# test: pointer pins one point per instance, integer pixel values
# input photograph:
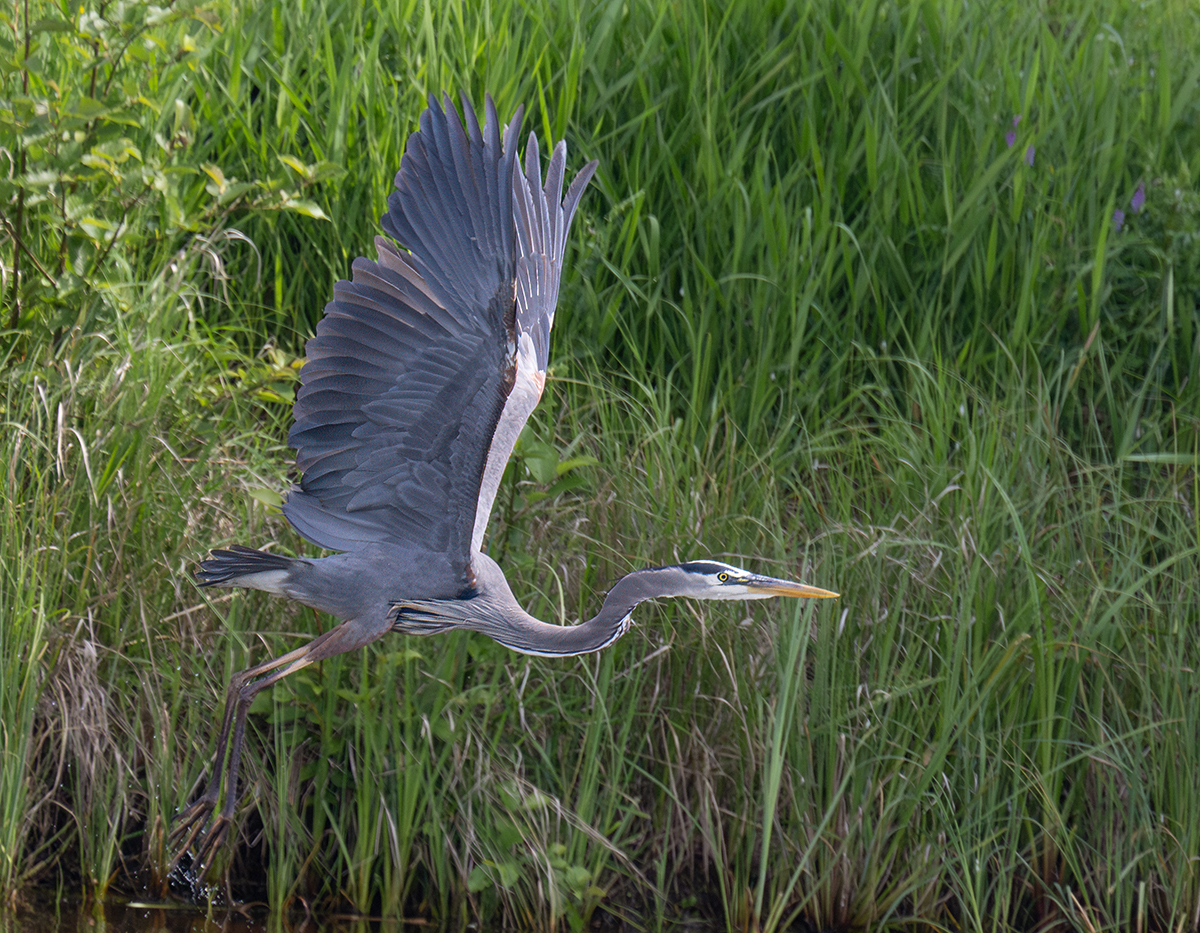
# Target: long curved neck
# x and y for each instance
(514, 628)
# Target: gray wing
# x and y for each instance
(407, 397)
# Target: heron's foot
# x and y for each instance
(213, 839)
(188, 826)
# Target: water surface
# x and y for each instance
(45, 913)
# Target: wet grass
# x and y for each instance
(821, 319)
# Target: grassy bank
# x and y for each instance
(833, 311)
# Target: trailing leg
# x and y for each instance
(243, 688)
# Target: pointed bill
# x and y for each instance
(769, 586)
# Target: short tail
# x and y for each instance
(244, 566)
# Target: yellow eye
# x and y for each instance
(723, 576)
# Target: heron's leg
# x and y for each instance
(245, 687)
(191, 821)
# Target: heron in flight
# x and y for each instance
(423, 371)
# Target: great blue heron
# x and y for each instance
(422, 373)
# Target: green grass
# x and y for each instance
(819, 318)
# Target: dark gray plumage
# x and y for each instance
(421, 375)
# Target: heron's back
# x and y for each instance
(361, 583)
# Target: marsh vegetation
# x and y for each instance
(898, 299)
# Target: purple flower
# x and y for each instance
(1118, 219)
(1029, 156)
(1011, 136)
(1139, 198)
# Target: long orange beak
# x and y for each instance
(769, 586)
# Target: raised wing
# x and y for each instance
(408, 393)
(542, 221)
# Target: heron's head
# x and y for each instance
(711, 579)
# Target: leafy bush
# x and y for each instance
(105, 181)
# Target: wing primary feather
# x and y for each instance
(504, 170)
(553, 194)
(438, 189)
(468, 182)
(533, 181)
(419, 196)
(491, 132)
(472, 120)
(448, 186)
(575, 192)
(486, 192)
(545, 209)
(523, 211)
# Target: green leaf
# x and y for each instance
(566, 466)
(276, 393)
(540, 459)
(327, 171)
(578, 878)
(88, 108)
(307, 208)
(510, 873)
(267, 497)
(567, 484)
(480, 879)
(233, 191)
(51, 25)
(296, 166)
(119, 150)
(101, 162)
(509, 834)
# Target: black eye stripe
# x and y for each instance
(703, 566)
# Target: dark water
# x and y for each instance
(46, 914)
